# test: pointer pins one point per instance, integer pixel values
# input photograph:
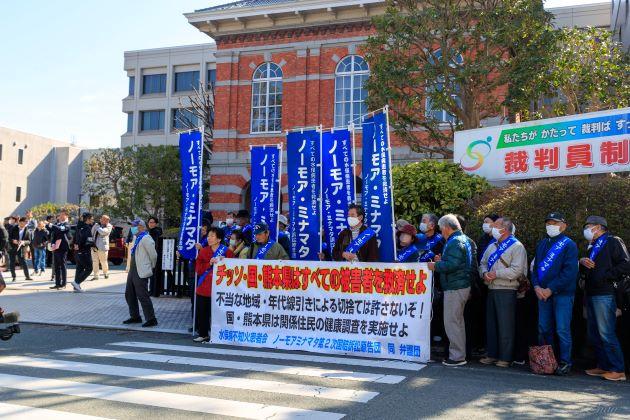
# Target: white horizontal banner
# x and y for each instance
(363, 309)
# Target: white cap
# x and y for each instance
(283, 219)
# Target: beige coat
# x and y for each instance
(146, 256)
(101, 236)
(507, 277)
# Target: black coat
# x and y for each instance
(611, 263)
(61, 231)
(367, 253)
(14, 235)
(83, 238)
(4, 238)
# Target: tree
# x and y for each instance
(431, 186)
(456, 55)
(584, 71)
(201, 107)
(142, 181)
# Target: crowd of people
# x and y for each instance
(490, 299)
(487, 293)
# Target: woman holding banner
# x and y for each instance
(208, 255)
(357, 242)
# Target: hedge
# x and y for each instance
(432, 186)
(528, 203)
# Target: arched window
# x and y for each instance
(438, 113)
(267, 99)
(350, 92)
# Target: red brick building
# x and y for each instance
(280, 65)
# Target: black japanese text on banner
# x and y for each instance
(363, 309)
(265, 186)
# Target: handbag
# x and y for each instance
(542, 361)
(523, 281)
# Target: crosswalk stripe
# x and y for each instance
(383, 364)
(24, 412)
(194, 378)
(229, 364)
(161, 399)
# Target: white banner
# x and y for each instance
(168, 254)
(598, 142)
(361, 309)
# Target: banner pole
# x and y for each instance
(354, 164)
(391, 182)
(279, 211)
(321, 186)
(199, 215)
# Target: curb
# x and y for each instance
(107, 327)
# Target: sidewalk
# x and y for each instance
(101, 305)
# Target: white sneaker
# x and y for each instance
(76, 286)
(201, 339)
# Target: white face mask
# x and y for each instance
(588, 234)
(496, 233)
(423, 227)
(353, 221)
(229, 222)
(232, 243)
(553, 230)
(486, 228)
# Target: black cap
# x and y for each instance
(596, 220)
(557, 216)
(242, 214)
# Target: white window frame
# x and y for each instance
(354, 75)
(445, 117)
(267, 80)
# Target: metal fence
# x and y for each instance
(173, 275)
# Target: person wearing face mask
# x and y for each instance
(554, 278)
(503, 263)
(607, 261)
(432, 242)
(208, 256)
(143, 260)
(238, 247)
(486, 237)
(454, 267)
(357, 242)
(131, 237)
(407, 251)
(230, 226)
(265, 248)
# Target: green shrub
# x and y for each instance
(42, 210)
(432, 186)
(576, 197)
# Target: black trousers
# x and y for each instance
(202, 320)
(137, 290)
(84, 266)
(19, 255)
(60, 259)
(501, 324)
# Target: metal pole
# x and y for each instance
(391, 182)
(321, 186)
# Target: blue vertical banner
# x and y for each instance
(190, 150)
(303, 170)
(338, 189)
(265, 186)
(377, 183)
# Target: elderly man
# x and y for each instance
(607, 261)
(454, 269)
(431, 242)
(357, 242)
(283, 236)
(143, 260)
(100, 251)
(264, 248)
(554, 278)
(504, 262)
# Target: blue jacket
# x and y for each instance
(563, 273)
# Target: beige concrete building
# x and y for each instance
(35, 170)
(620, 22)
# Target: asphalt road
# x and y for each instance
(127, 375)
